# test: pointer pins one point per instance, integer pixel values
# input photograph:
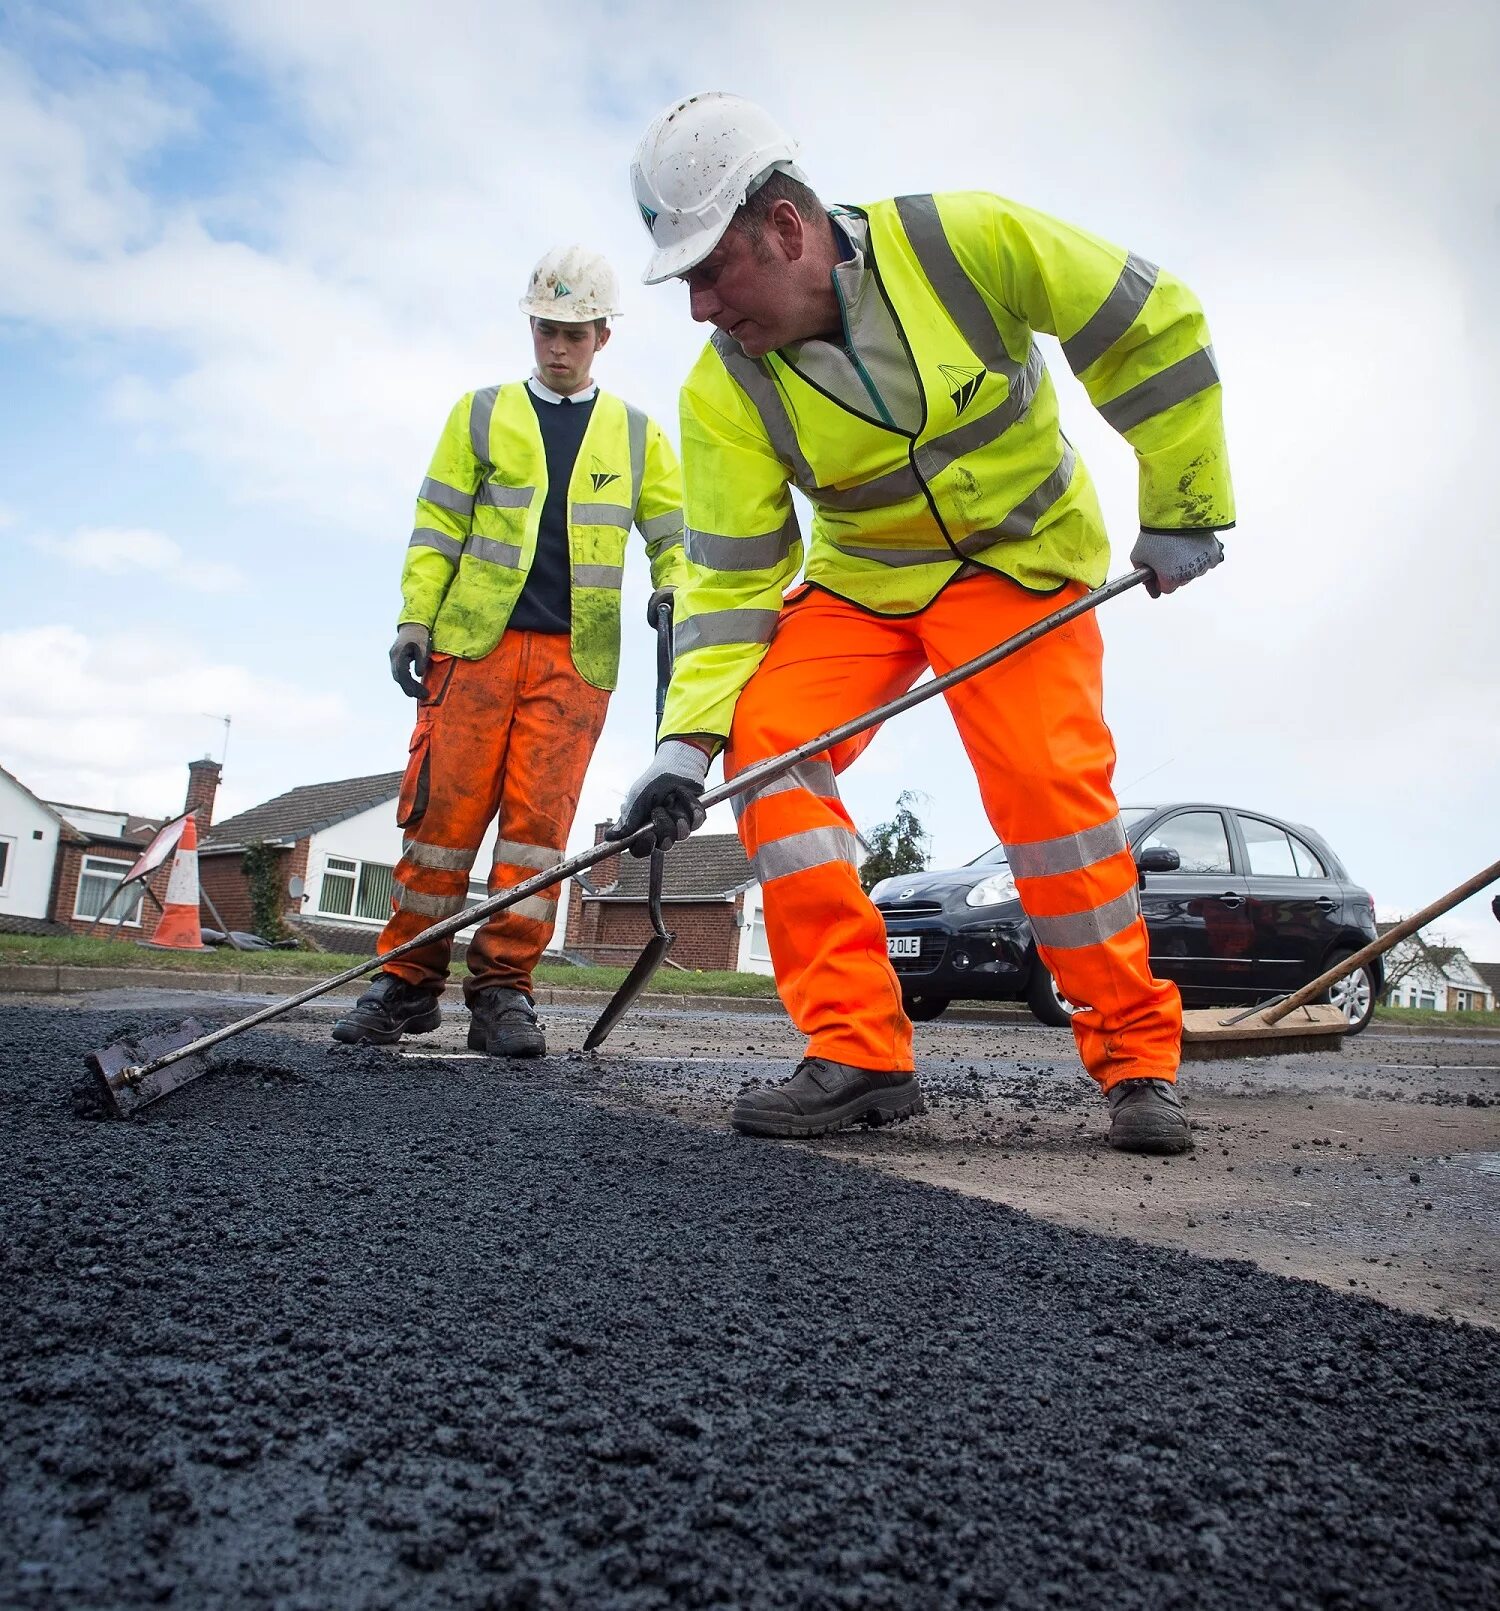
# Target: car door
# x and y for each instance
(1296, 907)
(1197, 916)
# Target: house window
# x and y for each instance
(1427, 999)
(5, 845)
(356, 889)
(98, 879)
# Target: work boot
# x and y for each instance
(1145, 1115)
(389, 1009)
(502, 1023)
(823, 1096)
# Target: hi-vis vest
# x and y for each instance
(481, 505)
(930, 440)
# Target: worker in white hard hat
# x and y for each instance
(884, 361)
(509, 641)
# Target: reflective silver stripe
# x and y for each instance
(1114, 316)
(1157, 393)
(539, 908)
(413, 900)
(659, 526)
(601, 514)
(499, 497)
(480, 411)
(724, 626)
(635, 426)
(443, 858)
(446, 497)
(428, 537)
(948, 277)
(516, 853)
(1075, 930)
(761, 553)
(814, 776)
(814, 847)
(599, 576)
(756, 383)
(493, 552)
(1069, 853)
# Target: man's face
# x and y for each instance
(747, 289)
(565, 353)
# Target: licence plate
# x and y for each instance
(903, 945)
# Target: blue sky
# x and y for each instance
(250, 252)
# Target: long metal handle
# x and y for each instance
(752, 777)
(1402, 931)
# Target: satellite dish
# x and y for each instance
(296, 888)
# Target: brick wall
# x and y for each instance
(65, 892)
(229, 889)
(616, 932)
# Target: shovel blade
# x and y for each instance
(117, 1067)
(634, 982)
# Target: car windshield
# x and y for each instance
(994, 857)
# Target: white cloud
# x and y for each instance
(117, 551)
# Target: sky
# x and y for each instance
(251, 251)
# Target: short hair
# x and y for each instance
(755, 211)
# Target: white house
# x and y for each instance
(29, 833)
(1439, 978)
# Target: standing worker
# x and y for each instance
(509, 640)
(883, 360)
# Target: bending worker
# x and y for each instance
(509, 640)
(884, 361)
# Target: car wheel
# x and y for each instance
(1354, 994)
(1045, 1000)
(923, 1009)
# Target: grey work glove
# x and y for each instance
(663, 595)
(409, 655)
(665, 796)
(1176, 557)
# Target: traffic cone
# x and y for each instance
(180, 928)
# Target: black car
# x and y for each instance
(1240, 907)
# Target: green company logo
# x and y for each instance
(602, 477)
(648, 213)
(560, 290)
(964, 385)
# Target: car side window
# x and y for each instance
(1199, 839)
(1274, 853)
(1308, 863)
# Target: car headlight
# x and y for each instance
(992, 890)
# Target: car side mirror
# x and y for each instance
(1156, 859)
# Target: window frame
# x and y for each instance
(352, 868)
(89, 917)
(1231, 840)
(7, 859)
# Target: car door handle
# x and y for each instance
(1326, 903)
(1231, 900)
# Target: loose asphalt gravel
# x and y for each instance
(334, 1327)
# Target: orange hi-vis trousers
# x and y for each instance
(1034, 730)
(509, 736)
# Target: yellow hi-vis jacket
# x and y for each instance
(481, 505)
(930, 441)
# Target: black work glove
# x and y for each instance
(409, 656)
(1175, 557)
(663, 595)
(665, 795)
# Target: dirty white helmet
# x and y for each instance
(694, 167)
(572, 285)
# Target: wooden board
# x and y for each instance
(1205, 1035)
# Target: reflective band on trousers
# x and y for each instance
(814, 776)
(761, 553)
(539, 908)
(446, 497)
(1074, 930)
(499, 497)
(724, 626)
(611, 576)
(1114, 316)
(1159, 392)
(1068, 853)
(515, 853)
(815, 847)
(429, 537)
(441, 858)
(413, 900)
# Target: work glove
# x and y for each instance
(663, 595)
(1175, 557)
(665, 795)
(409, 654)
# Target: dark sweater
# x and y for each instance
(546, 601)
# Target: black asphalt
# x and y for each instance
(338, 1328)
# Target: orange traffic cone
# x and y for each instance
(180, 928)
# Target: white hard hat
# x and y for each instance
(572, 285)
(694, 167)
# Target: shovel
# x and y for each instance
(132, 1074)
(654, 955)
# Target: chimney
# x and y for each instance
(203, 785)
